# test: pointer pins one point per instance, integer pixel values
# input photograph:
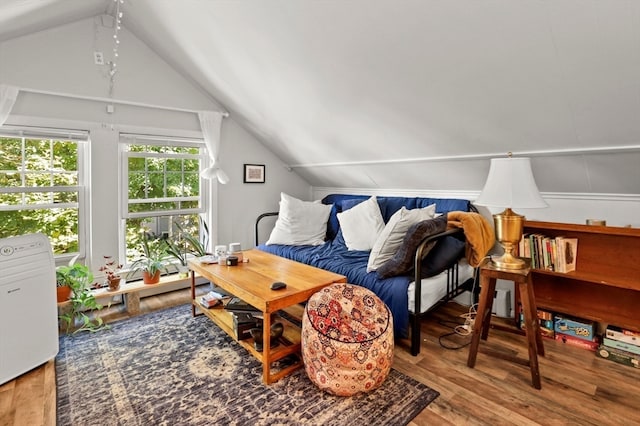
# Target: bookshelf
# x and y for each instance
(605, 287)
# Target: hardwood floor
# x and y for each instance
(577, 387)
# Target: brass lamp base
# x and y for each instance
(509, 227)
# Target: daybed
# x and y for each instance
(441, 275)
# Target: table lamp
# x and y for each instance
(510, 184)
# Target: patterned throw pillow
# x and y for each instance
(402, 261)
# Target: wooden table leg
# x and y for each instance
(266, 348)
(532, 331)
(193, 293)
(534, 310)
(483, 316)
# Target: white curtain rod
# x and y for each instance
(541, 153)
(112, 101)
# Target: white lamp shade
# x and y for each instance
(511, 184)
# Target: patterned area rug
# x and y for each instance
(169, 368)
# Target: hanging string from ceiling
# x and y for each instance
(117, 26)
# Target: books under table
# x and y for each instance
(238, 305)
(212, 299)
(557, 254)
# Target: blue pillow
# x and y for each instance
(347, 204)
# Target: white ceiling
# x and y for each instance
(352, 81)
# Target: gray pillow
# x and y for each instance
(402, 262)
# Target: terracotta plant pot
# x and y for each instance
(149, 279)
(114, 283)
(63, 293)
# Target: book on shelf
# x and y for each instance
(619, 356)
(557, 254)
(622, 335)
(624, 346)
(568, 248)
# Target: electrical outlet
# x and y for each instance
(98, 58)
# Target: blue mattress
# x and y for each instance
(335, 257)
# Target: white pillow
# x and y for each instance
(361, 224)
(300, 222)
(393, 233)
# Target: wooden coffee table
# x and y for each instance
(251, 282)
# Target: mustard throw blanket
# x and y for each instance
(478, 232)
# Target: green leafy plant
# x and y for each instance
(198, 245)
(174, 249)
(152, 259)
(79, 278)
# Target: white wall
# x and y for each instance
(239, 204)
(61, 61)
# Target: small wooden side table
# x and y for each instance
(489, 273)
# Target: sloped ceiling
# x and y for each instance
(356, 92)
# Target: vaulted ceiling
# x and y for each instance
(368, 85)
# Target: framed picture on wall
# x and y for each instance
(254, 173)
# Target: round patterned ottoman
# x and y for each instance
(347, 339)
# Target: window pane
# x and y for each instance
(157, 207)
(136, 164)
(37, 154)
(65, 156)
(163, 174)
(39, 164)
(10, 153)
(174, 165)
(174, 185)
(10, 199)
(158, 228)
(38, 198)
(65, 179)
(9, 179)
(61, 225)
(65, 197)
(192, 184)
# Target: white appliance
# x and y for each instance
(28, 308)
(502, 303)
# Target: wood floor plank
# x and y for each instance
(577, 387)
(29, 398)
(7, 406)
(49, 409)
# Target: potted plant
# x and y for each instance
(186, 244)
(179, 252)
(79, 278)
(111, 268)
(198, 246)
(151, 263)
(63, 290)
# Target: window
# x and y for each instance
(42, 185)
(162, 189)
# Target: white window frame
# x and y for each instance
(81, 137)
(159, 140)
